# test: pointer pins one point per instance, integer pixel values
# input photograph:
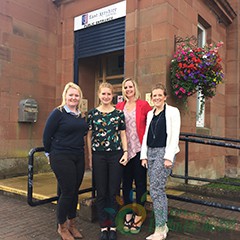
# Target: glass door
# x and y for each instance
(110, 68)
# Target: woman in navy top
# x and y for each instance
(63, 141)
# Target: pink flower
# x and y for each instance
(182, 90)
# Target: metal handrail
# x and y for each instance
(187, 138)
(215, 141)
(209, 137)
(30, 199)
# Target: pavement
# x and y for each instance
(187, 221)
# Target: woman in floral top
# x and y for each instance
(107, 149)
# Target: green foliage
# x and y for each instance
(225, 186)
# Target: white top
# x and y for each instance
(173, 123)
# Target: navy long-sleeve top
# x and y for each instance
(64, 133)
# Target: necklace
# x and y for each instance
(153, 129)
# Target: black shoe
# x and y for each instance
(112, 235)
(104, 235)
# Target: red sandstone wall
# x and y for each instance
(36, 60)
(232, 118)
(28, 40)
(153, 25)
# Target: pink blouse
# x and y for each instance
(134, 145)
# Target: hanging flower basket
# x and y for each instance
(196, 69)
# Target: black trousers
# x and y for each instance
(107, 172)
(69, 171)
(134, 172)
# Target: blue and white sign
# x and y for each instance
(99, 16)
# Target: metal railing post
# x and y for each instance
(186, 162)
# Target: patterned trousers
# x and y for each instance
(158, 175)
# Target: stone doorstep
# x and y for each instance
(88, 210)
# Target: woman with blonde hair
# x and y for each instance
(107, 149)
(63, 141)
(135, 111)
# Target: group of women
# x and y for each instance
(124, 142)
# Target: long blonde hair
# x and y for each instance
(66, 88)
(137, 93)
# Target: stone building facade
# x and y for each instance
(51, 42)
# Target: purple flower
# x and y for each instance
(195, 81)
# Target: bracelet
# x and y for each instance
(125, 151)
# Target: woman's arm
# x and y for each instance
(143, 154)
(50, 129)
(124, 158)
(173, 131)
(89, 148)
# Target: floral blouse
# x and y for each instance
(106, 129)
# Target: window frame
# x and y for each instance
(200, 118)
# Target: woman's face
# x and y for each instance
(105, 95)
(129, 89)
(72, 98)
(158, 97)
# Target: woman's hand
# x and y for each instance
(144, 163)
(89, 148)
(167, 163)
(124, 159)
(90, 161)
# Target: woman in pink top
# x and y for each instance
(135, 111)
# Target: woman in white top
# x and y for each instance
(159, 147)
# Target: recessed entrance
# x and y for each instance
(110, 68)
(102, 68)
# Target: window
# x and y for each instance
(200, 118)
